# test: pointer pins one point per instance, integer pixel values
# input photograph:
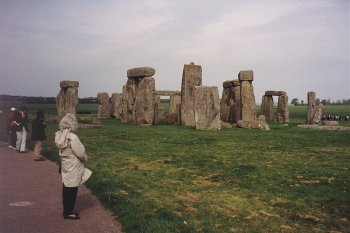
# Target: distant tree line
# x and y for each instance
(296, 102)
(42, 100)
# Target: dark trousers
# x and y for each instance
(69, 196)
(13, 138)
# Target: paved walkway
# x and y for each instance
(30, 199)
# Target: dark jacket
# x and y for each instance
(38, 128)
(21, 121)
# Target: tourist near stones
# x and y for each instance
(195, 105)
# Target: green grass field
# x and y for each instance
(168, 178)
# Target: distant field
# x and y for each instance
(168, 178)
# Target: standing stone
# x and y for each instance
(123, 107)
(104, 107)
(267, 107)
(311, 106)
(207, 108)
(236, 113)
(191, 77)
(247, 96)
(318, 115)
(158, 110)
(131, 97)
(67, 98)
(283, 110)
(226, 102)
(116, 99)
(230, 105)
(144, 101)
(174, 113)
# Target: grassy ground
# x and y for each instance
(168, 178)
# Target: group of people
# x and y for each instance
(17, 129)
(71, 151)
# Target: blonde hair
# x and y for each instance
(69, 121)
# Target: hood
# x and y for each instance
(61, 138)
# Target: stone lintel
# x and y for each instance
(227, 84)
(167, 93)
(236, 83)
(275, 93)
(141, 72)
(246, 75)
(67, 83)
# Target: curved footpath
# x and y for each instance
(30, 199)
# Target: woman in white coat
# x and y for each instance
(73, 156)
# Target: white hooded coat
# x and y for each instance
(73, 156)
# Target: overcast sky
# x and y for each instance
(291, 45)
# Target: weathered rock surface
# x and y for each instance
(207, 108)
(227, 102)
(104, 107)
(191, 77)
(144, 101)
(257, 124)
(325, 127)
(282, 114)
(282, 109)
(311, 106)
(116, 100)
(159, 110)
(267, 107)
(248, 102)
(175, 109)
(275, 93)
(67, 83)
(141, 72)
(318, 115)
(236, 113)
(67, 98)
(330, 123)
(130, 90)
(246, 75)
(123, 108)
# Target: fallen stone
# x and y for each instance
(330, 123)
(325, 127)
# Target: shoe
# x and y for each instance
(71, 217)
